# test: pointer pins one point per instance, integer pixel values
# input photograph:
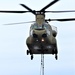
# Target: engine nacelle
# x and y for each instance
(44, 35)
(35, 35)
(54, 31)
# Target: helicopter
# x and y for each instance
(41, 40)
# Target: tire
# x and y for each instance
(31, 57)
(27, 52)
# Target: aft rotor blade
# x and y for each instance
(19, 23)
(3, 11)
(50, 4)
(61, 11)
(28, 8)
(66, 19)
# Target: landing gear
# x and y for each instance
(31, 57)
(56, 57)
(56, 52)
(29, 52)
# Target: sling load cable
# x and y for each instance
(42, 65)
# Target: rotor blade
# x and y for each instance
(28, 8)
(66, 19)
(61, 11)
(18, 23)
(50, 4)
(3, 11)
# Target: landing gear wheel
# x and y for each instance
(28, 52)
(56, 57)
(31, 57)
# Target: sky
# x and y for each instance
(13, 58)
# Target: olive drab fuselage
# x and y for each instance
(42, 37)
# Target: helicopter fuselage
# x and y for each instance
(41, 42)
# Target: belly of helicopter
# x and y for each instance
(39, 48)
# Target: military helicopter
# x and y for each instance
(41, 40)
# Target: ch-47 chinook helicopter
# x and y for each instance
(42, 40)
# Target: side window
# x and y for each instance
(48, 32)
(31, 30)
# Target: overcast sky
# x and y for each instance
(13, 58)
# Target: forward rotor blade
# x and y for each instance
(28, 8)
(19, 23)
(3, 11)
(61, 11)
(66, 19)
(7, 11)
(50, 4)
